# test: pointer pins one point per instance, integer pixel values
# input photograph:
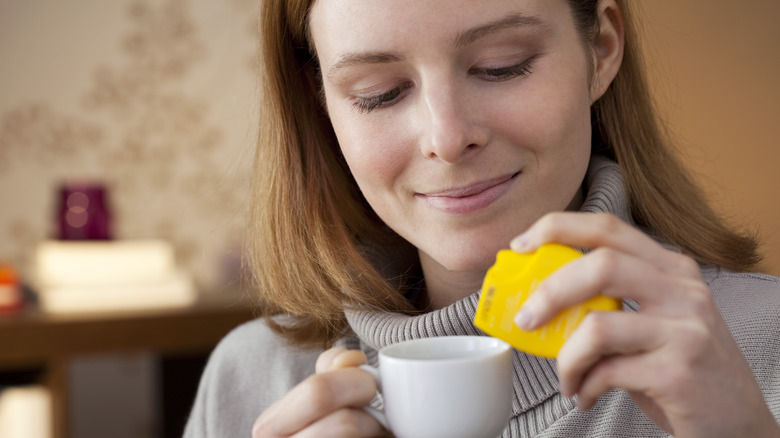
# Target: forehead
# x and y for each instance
(368, 25)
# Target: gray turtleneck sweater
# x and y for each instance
(252, 367)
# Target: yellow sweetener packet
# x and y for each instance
(511, 280)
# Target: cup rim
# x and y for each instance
(489, 346)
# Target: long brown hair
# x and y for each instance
(309, 226)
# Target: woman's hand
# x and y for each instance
(326, 404)
(675, 357)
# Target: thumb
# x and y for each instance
(339, 357)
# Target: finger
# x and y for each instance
(338, 358)
(601, 336)
(349, 422)
(325, 359)
(320, 395)
(627, 372)
(640, 375)
(349, 358)
(613, 274)
(606, 375)
(594, 230)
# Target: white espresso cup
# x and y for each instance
(451, 386)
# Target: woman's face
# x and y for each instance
(462, 121)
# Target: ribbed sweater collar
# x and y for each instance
(535, 378)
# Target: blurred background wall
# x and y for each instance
(715, 66)
(155, 98)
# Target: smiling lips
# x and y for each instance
(463, 200)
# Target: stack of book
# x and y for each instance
(116, 275)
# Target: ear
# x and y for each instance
(608, 47)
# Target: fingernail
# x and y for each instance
(525, 319)
(520, 243)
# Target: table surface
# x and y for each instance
(32, 337)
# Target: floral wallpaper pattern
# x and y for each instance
(156, 98)
(177, 167)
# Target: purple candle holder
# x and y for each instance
(83, 212)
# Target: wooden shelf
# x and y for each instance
(34, 339)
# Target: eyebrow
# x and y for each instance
(515, 20)
(350, 59)
(462, 39)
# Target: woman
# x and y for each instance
(404, 143)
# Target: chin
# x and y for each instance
(469, 261)
(471, 253)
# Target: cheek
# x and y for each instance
(554, 118)
(553, 107)
(546, 127)
(375, 153)
(565, 137)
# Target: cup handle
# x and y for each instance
(374, 412)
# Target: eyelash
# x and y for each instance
(505, 73)
(370, 103)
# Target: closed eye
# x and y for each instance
(500, 74)
(365, 104)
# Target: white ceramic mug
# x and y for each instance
(452, 386)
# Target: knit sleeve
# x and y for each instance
(750, 305)
(249, 370)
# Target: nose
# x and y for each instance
(453, 130)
